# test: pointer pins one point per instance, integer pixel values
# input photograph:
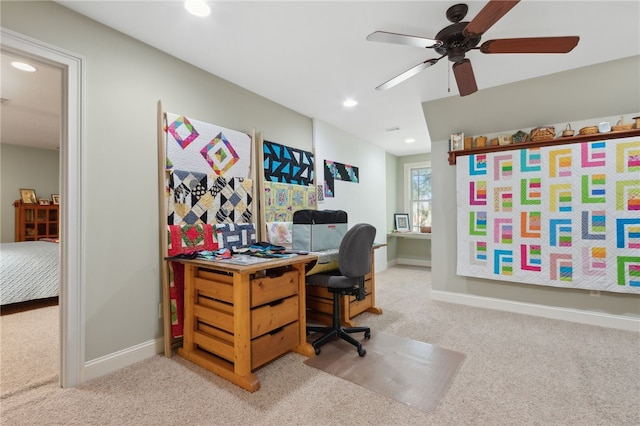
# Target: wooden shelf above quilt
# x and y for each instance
(453, 155)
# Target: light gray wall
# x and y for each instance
(550, 93)
(602, 90)
(24, 167)
(124, 81)
(365, 201)
(392, 203)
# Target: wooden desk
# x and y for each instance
(239, 317)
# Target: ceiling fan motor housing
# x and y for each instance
(454, 44)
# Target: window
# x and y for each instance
(418, 190)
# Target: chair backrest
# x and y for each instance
(354, 254)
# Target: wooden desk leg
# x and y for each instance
(373, 309)
(189, 301)
(302, 347)
(166, 308)
(242, 331)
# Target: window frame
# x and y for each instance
(408, 167)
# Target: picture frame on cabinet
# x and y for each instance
(55, 199)
(456, 142)
(28, 196)
(402, 223)
(44, 202)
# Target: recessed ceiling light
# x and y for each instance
(350, 103)
(197, 8)
(22, 66)
(410, 140)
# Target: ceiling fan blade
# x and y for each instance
(531, 45)
(489, 15)
(464, 77)
(408, 74)
(407, 40)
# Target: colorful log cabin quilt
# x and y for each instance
(562, 216)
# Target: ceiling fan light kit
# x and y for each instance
(457, 39)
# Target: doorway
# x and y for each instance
(71, 267)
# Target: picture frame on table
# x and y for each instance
(28, 196)
(55, 199)
(456, 142)
(402, 223)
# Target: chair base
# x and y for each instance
(331, 333)
(336, 331)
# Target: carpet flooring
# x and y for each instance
(517, 370)
(30, 349)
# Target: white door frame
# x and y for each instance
(71, 275)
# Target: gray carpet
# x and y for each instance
(30, 349)
(415, 373)
(518, 370)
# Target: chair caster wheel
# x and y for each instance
(317, 351)
(362, 352)
(367, 335)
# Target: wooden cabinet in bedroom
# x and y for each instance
(34, 222)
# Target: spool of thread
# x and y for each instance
(468, 142)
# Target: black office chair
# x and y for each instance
(354, 261)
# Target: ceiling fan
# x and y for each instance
(455, 40)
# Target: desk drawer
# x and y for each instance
(214, 313)
(317, 291)
(272, 316)
(320, 304)
(263, 349)
(210, 340)
(215, 285)
(267, 289)
(272, 345)
(263, 319)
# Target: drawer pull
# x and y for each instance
(276, 331)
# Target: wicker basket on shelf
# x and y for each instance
(621, 126)
(543, 133)
(589, 130)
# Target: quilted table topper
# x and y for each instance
(206, 148)
(563, 216)
(195, 198)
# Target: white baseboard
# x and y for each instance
(117, 360)
(413, 262)
(574, 315)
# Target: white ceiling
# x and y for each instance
(31, 103)
(310, 56)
